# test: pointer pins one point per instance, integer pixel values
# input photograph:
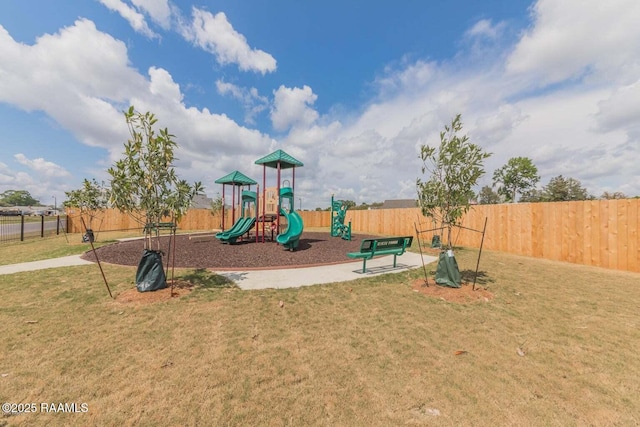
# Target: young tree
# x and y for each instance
(216, 207)
(560, 189)
(144, 183)
(92, 198)
(454, 167)
(518, 176)
(487, 196)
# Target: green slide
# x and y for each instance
(291, 236)
(232, 235)
(236, 225)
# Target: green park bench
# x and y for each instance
(370, 248)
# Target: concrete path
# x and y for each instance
(66, 261)
(269, 279)
(307, 276)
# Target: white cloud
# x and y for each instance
(292, 107)
(497, 125)
(216, 35)
(42, 166)
(621, 110)
(43, 179)
(570, 38)
(135, 18)
(158, 10)
(251, 100)
(83, 80)
(80, 77)
(485, 29)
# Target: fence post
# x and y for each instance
(41, 225)
(22, 227)
(57, 225)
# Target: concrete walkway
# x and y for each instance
(266, 279)
(66, 261)
(308, 276)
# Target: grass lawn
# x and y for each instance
(557, 345)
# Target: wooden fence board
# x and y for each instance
(579, 230)
(621, 231)
(633, 245)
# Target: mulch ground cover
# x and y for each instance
(205, 251)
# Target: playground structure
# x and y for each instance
(280, 160)
(254, 215)
(338, 215)
(237, 180)
(291, 236)
(245, 221)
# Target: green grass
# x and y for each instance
(366, 352)
(37, 249)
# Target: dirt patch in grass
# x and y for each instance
(133, 296)
(463, 295)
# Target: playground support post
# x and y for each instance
(264, 198)
(223, 202)
(279, 201)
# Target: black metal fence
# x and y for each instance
(21, 227)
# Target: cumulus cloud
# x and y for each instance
(42, 166)
(292, 107)
(621, 110)
(158, 10)
(497, 125)
(569, 39)
(216, 35)
(486, 29)
(83, 81)
(250, 99)
(587, 130)
(135, 18)
(80, 77)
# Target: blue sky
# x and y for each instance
(351, 89)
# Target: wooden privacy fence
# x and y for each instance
(602, 233)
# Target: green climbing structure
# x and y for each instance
(338, 216)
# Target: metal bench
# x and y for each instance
(370, 248)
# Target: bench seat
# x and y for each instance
(370, 248)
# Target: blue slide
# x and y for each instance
(291, 236)
(241, 226)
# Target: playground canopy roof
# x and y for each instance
(271, 160)
(236, 178)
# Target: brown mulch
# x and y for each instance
(205, 251)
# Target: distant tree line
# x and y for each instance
(355, 207)
(517, 181)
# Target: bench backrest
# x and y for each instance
(373, 245)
